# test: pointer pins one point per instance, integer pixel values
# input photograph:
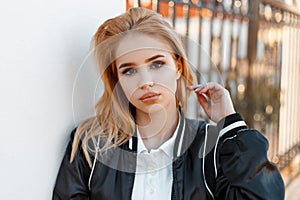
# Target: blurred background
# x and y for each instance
(253, 49)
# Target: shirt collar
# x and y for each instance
(166, 147)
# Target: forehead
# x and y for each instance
(139, 45)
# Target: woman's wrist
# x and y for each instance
(230, 122)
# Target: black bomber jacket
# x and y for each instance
(227, 161)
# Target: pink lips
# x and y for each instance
(150, 97)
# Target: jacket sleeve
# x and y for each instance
(243, 169)
(72, 179)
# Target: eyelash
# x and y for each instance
(128, 71)
(159, 63)
(153, 65)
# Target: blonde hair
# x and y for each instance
(115, 116)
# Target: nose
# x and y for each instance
(146, 80)
(147, 85)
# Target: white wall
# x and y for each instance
(42, 45)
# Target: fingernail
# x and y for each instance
(198, 89)
(193, 87)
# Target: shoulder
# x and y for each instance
(194, 123)
(194, 132)
(85, 130)
(82, 139)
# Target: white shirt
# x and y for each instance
(154, 177)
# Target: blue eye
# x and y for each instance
(129, 71)
(157, 64)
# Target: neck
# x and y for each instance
(157, 127)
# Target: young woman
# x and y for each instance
(140, 146)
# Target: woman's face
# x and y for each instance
(147, 72)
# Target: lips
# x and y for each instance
(150, 97)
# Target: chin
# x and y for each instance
(153, 108)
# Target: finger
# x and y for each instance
(209, 87)
(194, 87)
(213, 90)
(205, 89)
(198, 89)
(191, 87)
(204, 104)
(206, 92)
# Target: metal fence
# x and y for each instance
(253, 49)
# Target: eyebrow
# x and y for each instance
(147, 60)
(154, 57)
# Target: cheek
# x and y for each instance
(168, 80)
(129, 86)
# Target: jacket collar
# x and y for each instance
(132, 144)
(187, 131)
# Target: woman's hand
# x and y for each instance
(214, 99)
